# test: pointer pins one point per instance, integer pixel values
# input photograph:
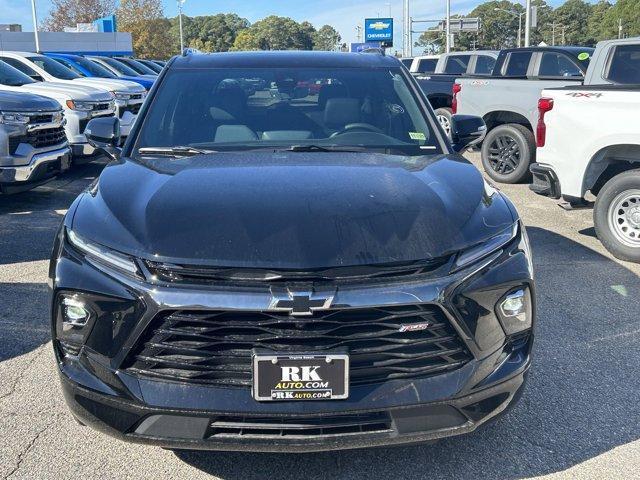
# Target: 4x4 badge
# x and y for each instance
(299, 303)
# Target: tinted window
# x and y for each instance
(554, 64)
(95, 69)
(12, 77)
(457, 64)
(26, 69)
(239, 109)
(119, 67)
(156, 68)
(69, 65)
(427, 65)
(137, 66)
(517, 64)
(625, 65)
(484, 64)
(53, 68)
(407, 62)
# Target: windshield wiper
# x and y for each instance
(323, 148)
(177, 151)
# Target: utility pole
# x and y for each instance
(527, 23)
(553, 34)
(389, 5)
(448, 27)
(359, 33)
(180, 3)
(563, 29)
(407, 29)
(35, 25)
(520, 29)
(619, 28)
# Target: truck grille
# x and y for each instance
(130, 108)
(215, 347)
(46, 137)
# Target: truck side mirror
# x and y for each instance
(104, 134)
(466, 130)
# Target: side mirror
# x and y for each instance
(466, 130)
(104, 134)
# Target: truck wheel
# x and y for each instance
(507, 152)
(616, 216)
(444, 119)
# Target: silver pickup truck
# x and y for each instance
(508, 102)
(33, 144)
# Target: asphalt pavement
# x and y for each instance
(578, 418)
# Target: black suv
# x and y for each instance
(288, 254)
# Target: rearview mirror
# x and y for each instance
(104, 134)
(466, 130)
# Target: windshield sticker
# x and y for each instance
(417, 136)
(583, 56)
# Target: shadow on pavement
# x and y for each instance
(579, 402)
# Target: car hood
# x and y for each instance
(111, 84)
(26, 102)
(69, 90)
(291, 210)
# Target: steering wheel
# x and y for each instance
(357, 127)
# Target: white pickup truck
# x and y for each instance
(588, 140)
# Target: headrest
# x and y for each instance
(334, 90)
(234, 133)
(340, 112)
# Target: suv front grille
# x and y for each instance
(46, 137)
(215, 347)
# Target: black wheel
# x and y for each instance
(507, 152)
(616, 216)
(443, 115)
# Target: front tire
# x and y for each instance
(616, 216)
(507, 152)
(444, 119)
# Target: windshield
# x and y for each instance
(137, 66)
(54, 68)
(119, 67)
(12, 77)
(153, 66)
(94, 69)
(280, 108)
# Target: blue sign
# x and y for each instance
(360, 47)
(379, 30)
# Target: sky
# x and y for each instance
(344, 15)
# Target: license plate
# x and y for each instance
(278, 377)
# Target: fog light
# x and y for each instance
(514, 310)
(74, 313)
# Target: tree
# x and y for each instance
(68, 13)
(596, 29)
(326, 38)
(211, 33)
(150, 30)
(572, 19)
(274, 33)
(627, 11)
(498, 27)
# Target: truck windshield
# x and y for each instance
(53, 68)
(12, 77)
(119, 67)
(300, 109)
(94, 69)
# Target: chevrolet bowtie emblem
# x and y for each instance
(299, 303)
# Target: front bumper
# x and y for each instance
(103, 393)
(42, 166)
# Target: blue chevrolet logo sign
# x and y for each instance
(378, 30)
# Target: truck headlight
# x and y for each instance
(514, 310)
(103, 255)
(480, 251)
(9, 118)
(121, 95)
(79, 105)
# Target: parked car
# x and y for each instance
(152, 65)
(33, 145)
(278, 274)
(588, 141)
(424, 64)
(79, 103)
(139, 67)
(119, 68)
(128, 95)
(508, 99)
(438, 86)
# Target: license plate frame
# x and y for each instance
(271, 383)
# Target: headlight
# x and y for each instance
(102, 254)
(14, 119)
(474, 254)
(81, 106)
(121, 96)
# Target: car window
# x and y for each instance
(427, 65)
(53, 68)
(95, 69)
(119, 67)
(516, 64)
(17, 64)
(484, 65)
(625, 65)
(239, 109)
(407, 62)
(13, 77)
(152, 66)
(69, 65)
(137, 66)
(457, 64)
(556, 64)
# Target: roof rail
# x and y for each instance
(378, 51)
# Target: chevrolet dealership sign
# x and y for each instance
(379, 30)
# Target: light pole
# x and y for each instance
(35, 25)
(406, 20)
(448, 27)
(389, 5)
(527, 23)
(519, 15)
(180, 3)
